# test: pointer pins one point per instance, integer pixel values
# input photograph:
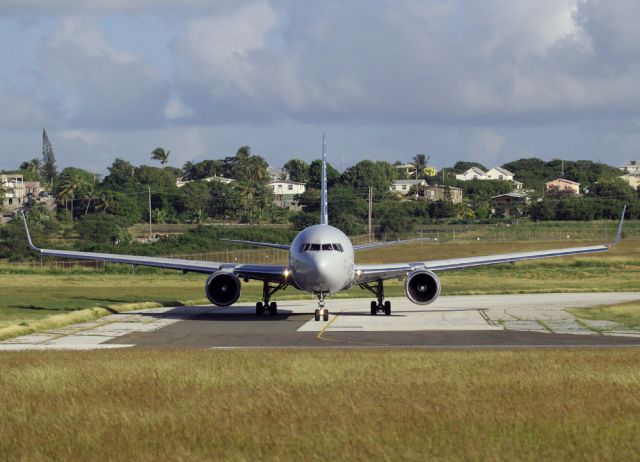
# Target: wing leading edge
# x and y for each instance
(275, 273)
(369, 273)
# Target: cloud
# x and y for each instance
(103, 86)
(19, 110)
(64, 6)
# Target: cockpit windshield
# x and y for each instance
(306, 247)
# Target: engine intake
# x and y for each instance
(222, 288)
(422, 287)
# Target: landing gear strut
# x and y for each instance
(265, 305)
(379, 306)
(321, 311)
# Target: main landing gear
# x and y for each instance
(379, 306)
(321, 311)
(265, 305)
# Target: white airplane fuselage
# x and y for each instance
(321, 260)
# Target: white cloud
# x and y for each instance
(177, 109)
(103, 85)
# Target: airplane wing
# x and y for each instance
(375, 245)
(258, 244)
(370, 273)
(274, 273)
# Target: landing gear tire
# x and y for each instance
(387, 308)
(259, 309)
(273, 308)
(374, 308)
(325, 315)
(317, 314)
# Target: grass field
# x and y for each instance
(627, 314)
(320, 405)
(27, 296)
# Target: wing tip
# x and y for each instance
(618, 238)
(26, 228)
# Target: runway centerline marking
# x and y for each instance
(324, 329)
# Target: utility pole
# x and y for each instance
(149, 188)
(370, 209)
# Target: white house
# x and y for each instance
(220, 179)
(632, 168)
(403, 186)
(474, 173)
(499, 173)
(287, 189)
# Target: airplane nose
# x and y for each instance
(330, 274)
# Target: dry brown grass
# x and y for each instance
(320, 405)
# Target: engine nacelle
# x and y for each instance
(422, 287)
(222, 288)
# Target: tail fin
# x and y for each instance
(324, 201)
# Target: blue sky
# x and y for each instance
(488, 81)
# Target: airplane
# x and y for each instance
(322, 262)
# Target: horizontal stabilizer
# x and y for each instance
(258, 244)
(375, 245)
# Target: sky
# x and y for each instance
(487, 81)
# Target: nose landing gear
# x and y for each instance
(379, 306)
(321, 311)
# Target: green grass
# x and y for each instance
(627, 314)
(320, 405)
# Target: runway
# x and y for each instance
(494, 321)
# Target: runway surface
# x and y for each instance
(495, 321)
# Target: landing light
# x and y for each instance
(358, 273)
(287, 273)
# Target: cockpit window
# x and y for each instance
(327, 247)
(338, 247)
(314, 247)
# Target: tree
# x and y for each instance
(378, 175)
(3, 193)
(121, 176)
(201, 170)
(33, 167)
(101, 229)
(420, 161)
(158, 178)
(71, 184)
(49, 170)
(160, 155)
(297, 170)
(315, 174)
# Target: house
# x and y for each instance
(276, 174)
(631, 180)
(285, 192)
(474, 173)
(499, 173)
(15, 194)
(407, 170)
(562, 185)
(632, 168)
(441, 193)
(32, 187)
(220, 179)
(509, 204)
(404, 186)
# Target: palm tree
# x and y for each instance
(69, 188)
(161, 155)
(420, 161)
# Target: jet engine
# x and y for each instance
(422, 287)
(222, 288)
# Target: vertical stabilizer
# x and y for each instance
(324, 201)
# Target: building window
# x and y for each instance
(501, 177)
(290, 187)
(404, 187)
